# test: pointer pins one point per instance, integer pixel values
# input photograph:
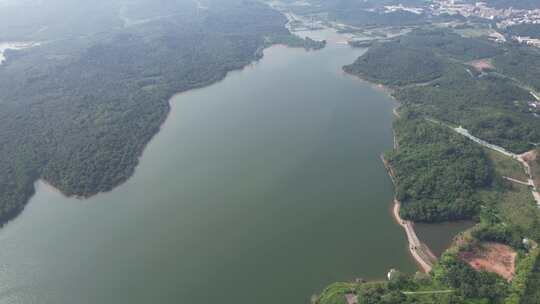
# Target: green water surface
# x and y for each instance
(262, 188)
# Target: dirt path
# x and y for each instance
(522, 158)
(351, 298)
(419, 251)
(517, 181)
(484, 143)
(426, 292)
(395, 112)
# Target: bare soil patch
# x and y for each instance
(482, 64)
(492, 257)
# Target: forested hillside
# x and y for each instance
(491, 105)
(78, 109)
(521, 63)
(486, 106)
(418, 57)
(401, 66)
(437, 171)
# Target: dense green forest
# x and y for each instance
(295, 41)
(484, 105)
(492, 106)
(77, 110)
(446, 43)
(418, 56)
(521, 63)
(531, 293)
(402, 65)
(437, 171)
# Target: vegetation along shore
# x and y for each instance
(465, 146)
(418, 250)
(78, 111)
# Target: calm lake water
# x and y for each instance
(262, 188)
(439, 236)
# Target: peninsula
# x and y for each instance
(80, 106)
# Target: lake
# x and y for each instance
(439, 236)
(262, 188)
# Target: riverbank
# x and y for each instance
(212, 182)
(421, 253)
(89, 190)
(50, 187)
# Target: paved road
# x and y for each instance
(527, 183)
(426, 292)
(484, 143)
(518, 157)
(420, 252)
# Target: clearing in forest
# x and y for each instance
(482, 64)
(492, 257)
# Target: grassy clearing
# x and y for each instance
(518, 207)
(535, 169)
(474, 32)
(507, 166)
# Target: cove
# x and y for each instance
(262, 188)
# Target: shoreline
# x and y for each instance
(257, 57)
(419, 251)
(376, 86)
(50, 187)
(57, 190)
(196, 87)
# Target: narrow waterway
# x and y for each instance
(262, 188)
(439, 236)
